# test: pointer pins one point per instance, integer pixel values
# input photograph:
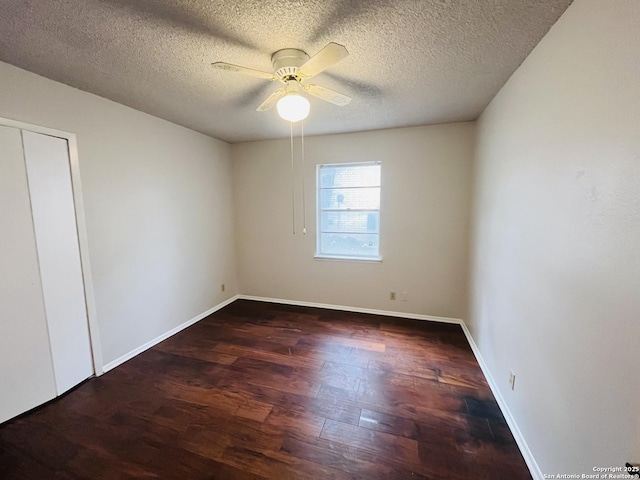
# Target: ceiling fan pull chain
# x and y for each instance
(293, 195)
(304, 196)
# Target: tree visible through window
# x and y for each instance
(348, 213)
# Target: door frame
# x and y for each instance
(81, 230)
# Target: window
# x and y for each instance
(348, 211)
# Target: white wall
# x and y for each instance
(426, 176)
(158, 208)
(556, 260)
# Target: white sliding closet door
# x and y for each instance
(26, 370)
(44, 334)
(49, 176)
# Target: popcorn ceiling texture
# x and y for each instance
(412, 62)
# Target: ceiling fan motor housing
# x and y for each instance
(287, 61)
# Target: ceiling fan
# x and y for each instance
(294, 68)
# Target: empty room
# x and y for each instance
(275, 239)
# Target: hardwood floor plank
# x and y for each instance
(358, 462)
(229, 402)
(383, 422)
(236, 351)
(277, 465)
(180, 416)
(266, 391)
(205, 353)
(253, 366)
(360, 344)
(345, 382)
(291, 421)
(16, 464)
(454, 428)
(484, 408)
(252, 410)
(231, 473)
(331, 393)
(295, 385)
(327, 408)
(413, 403)
(54, 451)
(342, 369)
(212, 443)
(402, 449)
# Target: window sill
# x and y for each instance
(348, 259)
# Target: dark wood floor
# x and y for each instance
(261, 390)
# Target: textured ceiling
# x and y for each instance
(412, 62)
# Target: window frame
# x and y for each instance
(337, 257)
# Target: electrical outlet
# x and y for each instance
(512, 380)
(404, 296)
(222, 287)
(392, 296)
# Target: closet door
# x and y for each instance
(49, 176)
(26, 370)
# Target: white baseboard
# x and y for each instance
(536, 473)
(387, 313)
(164, 336)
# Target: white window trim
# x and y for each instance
(336, 258)
(346, 258)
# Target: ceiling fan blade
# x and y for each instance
(272, 99)
(343, 14)
(331, 54)
(184, 16)
(327, 94)
(247, 71)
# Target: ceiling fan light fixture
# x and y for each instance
(293, 107)
(294, 67)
